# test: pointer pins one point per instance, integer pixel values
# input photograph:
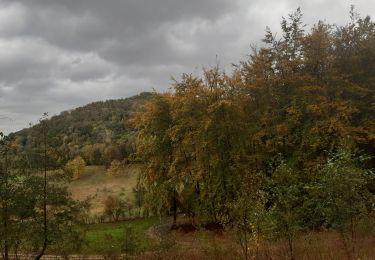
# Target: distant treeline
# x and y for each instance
(99, 132)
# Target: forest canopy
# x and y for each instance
(288, 134)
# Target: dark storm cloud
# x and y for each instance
(58, 54)
(82, 24)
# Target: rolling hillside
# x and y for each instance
(99, 132)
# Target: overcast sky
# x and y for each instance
(59, 54)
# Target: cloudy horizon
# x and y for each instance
(56, 55)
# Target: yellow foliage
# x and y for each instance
(116, 168)
(76, 167)
(294, 113)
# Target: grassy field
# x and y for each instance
(185, 243)
(98, 185)
(145, 238)
(112, 237)
(106, 238)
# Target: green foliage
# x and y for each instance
(139, 192)
(343, 186)
(95, 237)
(130, 241)
(286, 199)
(25, 193)
(286, 211)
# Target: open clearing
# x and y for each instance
(98, 185)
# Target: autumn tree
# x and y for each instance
(116, 168)
(155, 147)
(114, 207)
(76, 167)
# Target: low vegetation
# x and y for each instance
(119, 237)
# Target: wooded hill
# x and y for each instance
(99, 132)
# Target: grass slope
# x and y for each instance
(98, 185)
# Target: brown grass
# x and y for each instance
(98, 185)
(205, 244)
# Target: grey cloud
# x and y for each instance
(84, 24)
(84, 67)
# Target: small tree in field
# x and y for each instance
(76, 167)
(286, 209)
(345, 195)
(114, 207)
(116, 168)
(249, 223)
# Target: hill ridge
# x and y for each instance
(99, 131)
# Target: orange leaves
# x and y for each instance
(313, 90)
(344, 109)
(294, 114)
(281, 129)
(315, 110)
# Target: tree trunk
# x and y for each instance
(5, 205)
(291, 251)
(5, 226)
(45, 229)
(174, 209)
